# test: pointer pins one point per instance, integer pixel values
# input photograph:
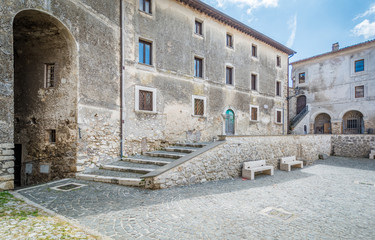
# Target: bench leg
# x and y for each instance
(284, 167)
(252, 175)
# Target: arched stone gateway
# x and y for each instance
(353, 123)
(45, 97)
(322, 124)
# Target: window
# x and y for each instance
(254, 82)
(198, 67)
(359, 91)
(278, 61)
(229, 40)
(352, 123)
(254, 113)
(49, 75)
(229, 76)
(145, 52)
(359, 66)
(145, 99)
(51, 135)
(278, 116)
(301, 77)
(198, 27)
(254, 51)
(278, 88)
(199, 105)
(145, 6)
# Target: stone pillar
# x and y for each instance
(312, 128)
(336, 127)
(6, 166)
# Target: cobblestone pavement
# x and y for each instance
(332, 199)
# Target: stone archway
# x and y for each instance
(322, 124)
(353, 123)
(45, 98)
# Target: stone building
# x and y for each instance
(85, 82)
(336, 91)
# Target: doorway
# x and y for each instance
(229, 122)
(301, 103)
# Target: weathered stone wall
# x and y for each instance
(6, 166)
(170, 29)
(352, 145)
(225, 160)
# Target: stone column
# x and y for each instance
(336, 127)
(6, 166)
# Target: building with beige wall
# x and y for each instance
(338, 89)
(83, 83)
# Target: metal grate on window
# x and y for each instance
(52, 136)
(50, 75)
(278, 116)
(198, 107)
(352, 123)
(145, 100)
(359, 91)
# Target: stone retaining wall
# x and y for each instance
(352, 145)
(225, 160)
(6, 166)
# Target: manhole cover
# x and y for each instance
(68, 187)
(278, 213)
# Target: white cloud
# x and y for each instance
(369, 12)
(250, 4)
(292, 24)
(365, 29)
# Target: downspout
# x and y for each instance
(122, 78)
(287, 97)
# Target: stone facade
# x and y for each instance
(6, 166)
(66, 126)
(225, 161)
(339, 87)
(175, 45)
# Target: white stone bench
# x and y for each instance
(250, 168)
(286, 163)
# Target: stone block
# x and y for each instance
(6, 145)
(9, 185)
(6, 178)
(5, 158)
(9, 164)
(8, 153)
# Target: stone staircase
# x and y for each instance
(129, 170)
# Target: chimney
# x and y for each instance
(335, 47)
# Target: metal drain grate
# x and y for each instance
(68, 187)
(278, 213)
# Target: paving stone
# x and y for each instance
(324, 199)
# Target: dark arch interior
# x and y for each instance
(45, 96)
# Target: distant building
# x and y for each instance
(336, 91)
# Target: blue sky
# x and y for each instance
(309, 27)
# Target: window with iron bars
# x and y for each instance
(145, 100)
(352, 123)
(49, 75)
(198, 107)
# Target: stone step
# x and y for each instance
(122, 166)
(148, 160)
(134, 182)
(165, 154)
(194, 145)
(181, 149)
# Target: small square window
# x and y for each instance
(229, 40)
(301, 77)
(51, 134)
(254, 84)
(198, 67)
(359, 65)
(359, 91)
(254, 51)
(278, 61)
(229, 76)
(49, 75)
(145, 6)
(278, 116)
(278, 88)
(198, 27)
(254, 113)
(145, 99)
(199, 105)
(145, 52)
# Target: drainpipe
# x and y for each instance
(122, 78)
(287, 99)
